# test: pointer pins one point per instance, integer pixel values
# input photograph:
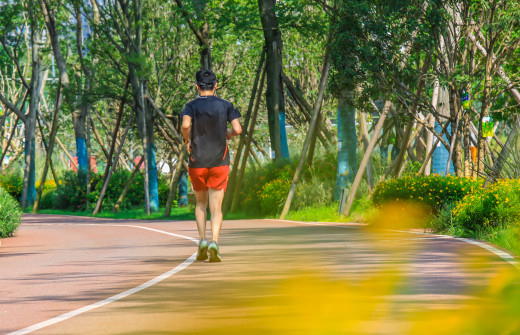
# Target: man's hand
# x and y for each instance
(235, 130)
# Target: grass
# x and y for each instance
(329, 213)
(507, 238)
(185, 213)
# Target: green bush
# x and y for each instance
(71, 195)
(273, 194)
(314, 191)
(49, 199)
(495, 206)
(265, 190)
(10, 214)
(433, 191)
(253, 183)
(12, 183)
(134, 197)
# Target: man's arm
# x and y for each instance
(185, 130)
(236, 129)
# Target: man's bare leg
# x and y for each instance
(201, 212)
(215, 208)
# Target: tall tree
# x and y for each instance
(15, 30)
(275, 93)
(128, 20)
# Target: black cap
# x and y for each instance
(206, 79)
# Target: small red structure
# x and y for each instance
(136, 161)
(93, 164)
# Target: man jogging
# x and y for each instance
(204, 128)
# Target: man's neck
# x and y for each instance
(206, 93)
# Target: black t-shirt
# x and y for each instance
(209, 118)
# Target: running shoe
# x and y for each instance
(214, 255)
(202, 254)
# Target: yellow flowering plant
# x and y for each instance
(494, 206)
(12, 183)
(433, 191)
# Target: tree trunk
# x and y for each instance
(347, 143)
(145, 125)
(312, 147)
(441, 154)
(60, 143)
(201, 32)
(52, 139)
(366, 157)
(236, 162)
(456, 142)
(308, 139)
(429, 141)
(325, 135)
(63, 88)
(174, 182)
(183, 189)
(366, 140)
(46, 147)
(111, 164)
(79, 114)
(274, 95)
(236, 191)
(486, 105)
(29, 190)
(126, 188)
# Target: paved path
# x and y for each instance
(59, 264)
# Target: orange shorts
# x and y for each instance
(214, 177)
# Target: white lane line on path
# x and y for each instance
(502, 254)
(119, 296)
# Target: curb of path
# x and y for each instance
(503, 254)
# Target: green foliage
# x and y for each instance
(49, 199)
(433, 191)
(328, 213)
(508, 238)
(265, 190)
(72, 193)
(255, 180)
(444, 221)
(495, 206)
(12, 183)
(368, 40)
(273, 194)
(10, 214)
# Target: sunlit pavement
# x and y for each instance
(276, 277)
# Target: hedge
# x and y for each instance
(10, 214)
